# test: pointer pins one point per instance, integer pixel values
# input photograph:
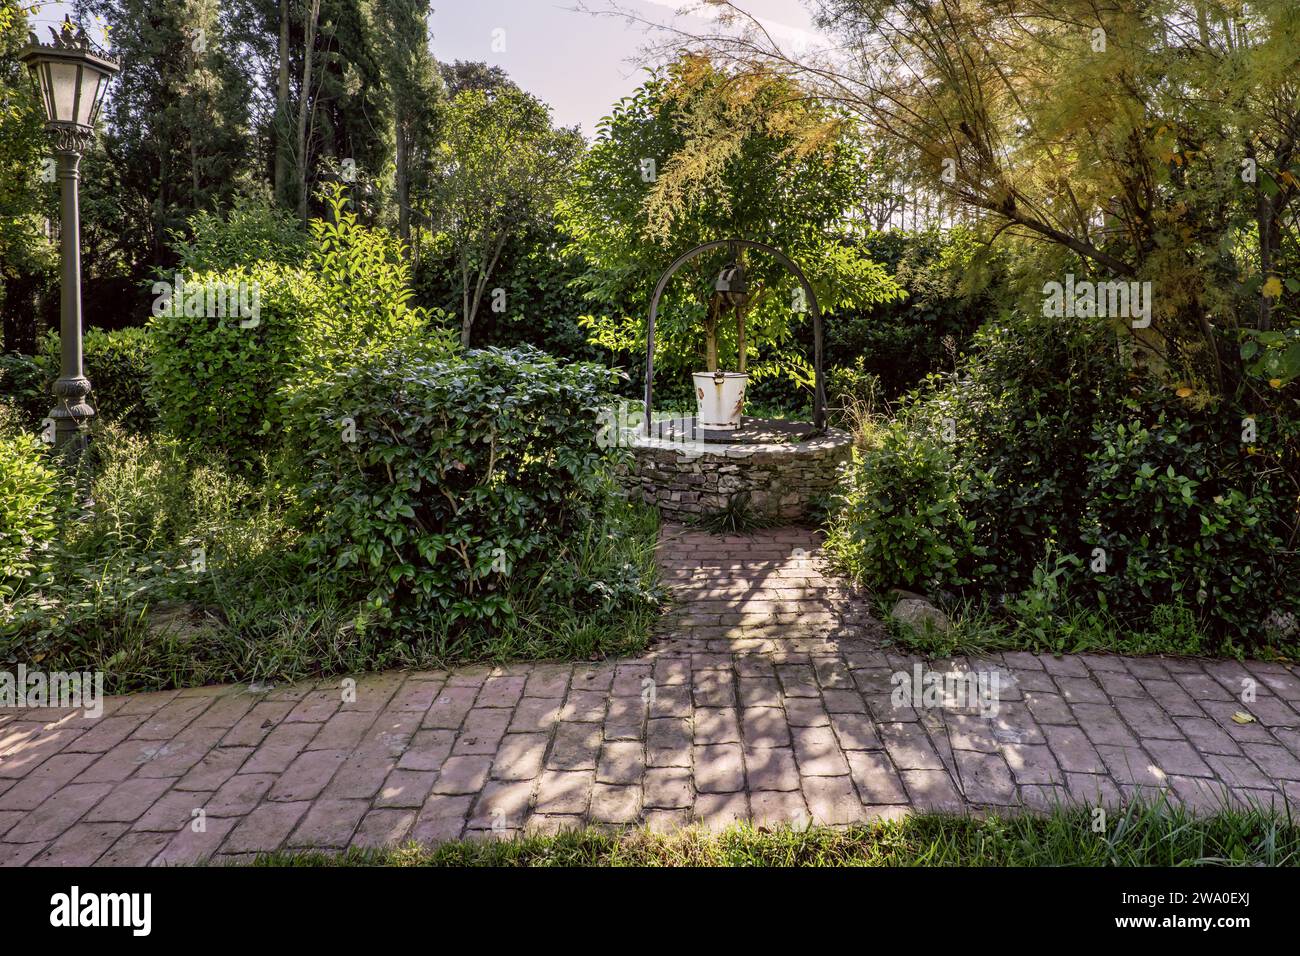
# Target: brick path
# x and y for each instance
(769, 698)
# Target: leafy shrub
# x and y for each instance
(166, 529)
(1186, 514)
(997, 449)
(901, 520)
(252, 231)
(118, 365)
(223, 381)
(28, 495)
(216, 380)
(463, 476)
(1022, 412)
(23, 386)
(1053, 450)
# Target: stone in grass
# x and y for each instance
(919, 614)
(1281, 625)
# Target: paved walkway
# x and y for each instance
(769, 699)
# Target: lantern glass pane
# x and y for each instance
(42, 73)
(92, 90)
(63, 77)
(100, 87)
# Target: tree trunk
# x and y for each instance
(280, 128)
(304, 104)
(711, 334)
(402, 180)
(740, 339)
(472, 304)
(466, 316)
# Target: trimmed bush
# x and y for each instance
(28, 496)
(216, 380)
(436, 485)
(222, 381)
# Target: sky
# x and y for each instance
(577, 62)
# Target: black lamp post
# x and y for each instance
(73, 76)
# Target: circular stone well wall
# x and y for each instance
(783, 467)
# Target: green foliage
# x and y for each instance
(251, 231)
(950, 293)
(26, 254)
(28, 496)
(463, 477)
(153, 497)
(216, 380)
(738, 516)
(1021, 412)
(496, 174)
(166, 529)
(1044, 620)
(1042, 450)
(361, 292)
(751, 160)
(541, 303)
(901, 519)
(1171, 123)
(1187, 515)
(222, 381)
(23, 381)
(118, 365)
(176, 139)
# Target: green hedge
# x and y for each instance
(223, 381)
(1188, 514)
(217, 380)
(436, 484)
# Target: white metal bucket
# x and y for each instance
(720, 399)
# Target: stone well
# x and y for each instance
(784, 466)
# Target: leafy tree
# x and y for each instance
(497, 172)
(541, 302)
(474, 75)
(1150, 142)
(26, 256)
(697, 155)
(416, 92)
(344, 109)
(177, 131)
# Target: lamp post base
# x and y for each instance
(73, 414)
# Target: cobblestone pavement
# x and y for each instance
(768, 697)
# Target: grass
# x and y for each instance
(738, 517)
(184, 575)
(978, 627)
(1142, 834)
